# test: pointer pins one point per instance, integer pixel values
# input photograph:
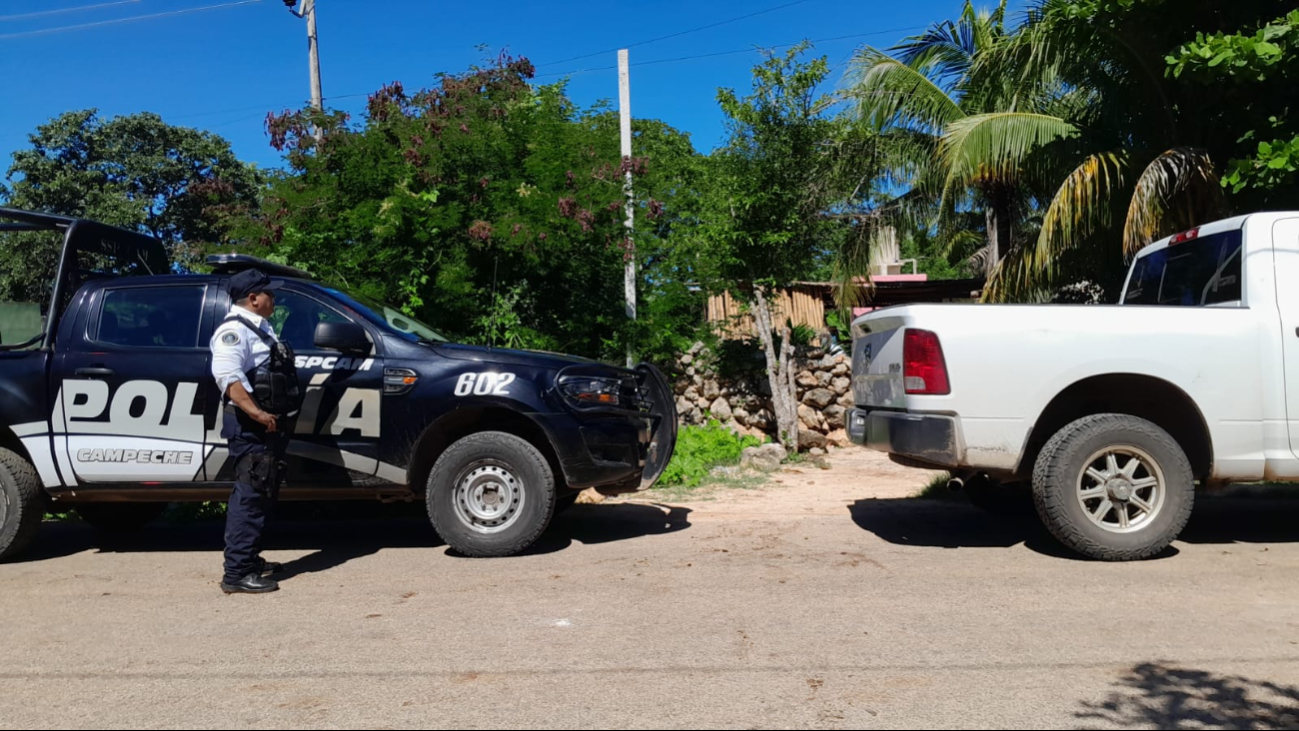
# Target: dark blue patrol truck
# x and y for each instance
(107, 403)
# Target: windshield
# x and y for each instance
(1198, 273)
(389, 317)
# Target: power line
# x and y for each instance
(151, 16)
(750, 49)
(265, 107)
(57, 11)
(679, 33)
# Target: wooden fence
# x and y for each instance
(802, 305)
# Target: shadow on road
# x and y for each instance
(952, 524)
(957, 524)
(595, 524)
(336, 541)
(1152, 695)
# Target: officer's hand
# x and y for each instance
(266, 420)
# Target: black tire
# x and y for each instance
(499, 457)
(22, 503)
(120, 517)
(1058, 475)
(999, 498)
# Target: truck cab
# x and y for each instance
(111, 408)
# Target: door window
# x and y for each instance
(151, 317)
(296, 317)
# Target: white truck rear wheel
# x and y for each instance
(1114, 487)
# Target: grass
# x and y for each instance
(180, 513)
(700, 449)
(937, 489)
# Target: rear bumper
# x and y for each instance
(925, 437)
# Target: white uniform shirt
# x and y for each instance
(235, 350)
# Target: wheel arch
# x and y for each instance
(460, 423)
(1146, 397)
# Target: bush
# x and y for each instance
(700, 449)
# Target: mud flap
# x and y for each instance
(663, 437)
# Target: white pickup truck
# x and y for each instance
(1112, 415)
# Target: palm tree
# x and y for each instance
(1136, 171)
(927, 95)
(996, 120)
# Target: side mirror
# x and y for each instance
(345, 337)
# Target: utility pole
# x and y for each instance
(624, 114)
(313, 53)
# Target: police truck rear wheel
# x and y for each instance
(120, 517)
(22, 504)
(491, 494)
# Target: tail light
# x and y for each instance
(1185, 236)
(924, 370)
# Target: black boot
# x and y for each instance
(267, 568)
(253, 583)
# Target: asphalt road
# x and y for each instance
(863, 614)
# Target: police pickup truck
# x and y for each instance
(107, 403)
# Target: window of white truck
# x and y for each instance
(1194, 273)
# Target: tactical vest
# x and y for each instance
(275, 382)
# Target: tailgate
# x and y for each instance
(877, 380)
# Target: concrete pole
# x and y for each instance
(313, 52)
(624, 114)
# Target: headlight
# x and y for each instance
(588, 390)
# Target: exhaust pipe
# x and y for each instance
(956, 484)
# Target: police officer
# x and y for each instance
(256, 375)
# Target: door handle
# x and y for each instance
(98, 372)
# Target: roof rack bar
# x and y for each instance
(232, 263)
(43, 220)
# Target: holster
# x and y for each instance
(261, 471)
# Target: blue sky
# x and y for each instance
(223, 68)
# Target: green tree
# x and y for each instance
(133, 171)
(1076, 109)
(491, 208)
(1151, 145)
(772, 186)
(1260, 67)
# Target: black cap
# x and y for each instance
(251, 281)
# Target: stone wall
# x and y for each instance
(743, 402)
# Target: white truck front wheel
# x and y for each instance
(1114, 487)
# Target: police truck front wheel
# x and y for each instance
(491, 494)
(22, 503)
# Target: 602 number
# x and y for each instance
(482, 384)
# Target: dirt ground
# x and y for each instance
(823, 599)
(807, 490)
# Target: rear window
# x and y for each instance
(1205, 271)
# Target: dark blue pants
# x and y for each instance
(250, 505)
